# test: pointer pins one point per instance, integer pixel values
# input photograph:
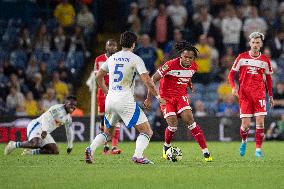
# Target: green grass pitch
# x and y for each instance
(228, 170)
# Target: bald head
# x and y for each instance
(111, 47)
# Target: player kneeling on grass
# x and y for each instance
(120, 103)
(175, 76)
(38, 131)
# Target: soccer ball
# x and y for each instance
(174, 154)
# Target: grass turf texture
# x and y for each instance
(228, 170)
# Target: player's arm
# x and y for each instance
(231, 76)
(268, 72)
(45, 123)
(100, 80)
(149, 84)
(69, 134)
(190, 85)
(155, 78)
(269, 88)
(231, 79)
(151, 90)
(141, 69)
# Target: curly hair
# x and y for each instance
(71, 97)
(186, 46)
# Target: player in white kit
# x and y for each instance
(120, 103)
(39, 129)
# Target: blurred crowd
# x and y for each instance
(219, 30)
(41, 60)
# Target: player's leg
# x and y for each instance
(169, 113)
(244, 130)
(246, 112)
(110, 120)
(172, 122)
(34, 143)
(259, 135)
(115, 138)
(142, 142)
(47, 146)
(34, 138)
(101, 113)
(99, 140)
(50, 149)
(259, 113)
(196, 132)
(132, 115)
(106, 146)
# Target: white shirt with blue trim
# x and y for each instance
(122, 68)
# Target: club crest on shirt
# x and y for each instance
(164, 67)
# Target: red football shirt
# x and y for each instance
(175, 78)
(98, 63)
(251, 73)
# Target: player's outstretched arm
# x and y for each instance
(149, 84)
(69, 136)
(155, 78)
(151, 90)
(100, 80)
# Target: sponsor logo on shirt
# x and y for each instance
(252, 70)
(183, 80)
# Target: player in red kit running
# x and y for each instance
(175, 76)
(254, 77)
(111, 47)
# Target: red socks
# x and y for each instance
(116, 136)
(244, 134)
(169, 134)
(198, 135)
(259, 136)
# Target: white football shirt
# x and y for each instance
(122, 68)
(54, 117)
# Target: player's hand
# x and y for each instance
(43, 134)
(69, 150)
(235, 92)
(147, 104)
(192, 88)
(271, 102)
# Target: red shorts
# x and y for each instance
(252, 106)
(175, 105)
(101, 105)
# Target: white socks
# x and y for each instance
(98, 141)
(141, 144)
(167, 145)
(205, 150)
